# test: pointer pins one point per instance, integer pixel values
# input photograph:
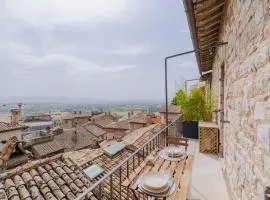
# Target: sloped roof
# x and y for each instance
(140, 118)
(95, 130)
(104, 122)
(4, 126)
(132, 137)
(64, 142)
(45, 149)
(171, 109)
(83, 140)
(119, 125)
(53, 178)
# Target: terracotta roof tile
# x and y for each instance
(4, 126)
(95, 130)
(44, 149)
(119, 125)
(104, 122)
(55, 178)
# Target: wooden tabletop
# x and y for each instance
(181, 171)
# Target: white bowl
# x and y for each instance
(156, 182)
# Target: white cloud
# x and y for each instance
(73, 65)
(31, 64)
(131, 50)
(48, 12)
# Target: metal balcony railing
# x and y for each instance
(110, 185)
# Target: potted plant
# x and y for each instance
(195, 106)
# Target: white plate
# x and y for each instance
(167, 193)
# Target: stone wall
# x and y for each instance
(246, 59)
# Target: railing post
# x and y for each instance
(128, 168)
(143, 153)
(120, 178)
(139, 159)
(133, 162)
(111, 186)
(100, 191)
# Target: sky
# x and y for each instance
(97, 49)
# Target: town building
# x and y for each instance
(173, 113)
(38, 117)
(238, 73)
(93, 129)
(138, 121)
(67, 141)
(8, 130)
(71, 119)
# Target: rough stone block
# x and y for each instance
(259, 110)
(263, 136)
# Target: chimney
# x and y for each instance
(129, 114)
(132, 113)
(15, 115)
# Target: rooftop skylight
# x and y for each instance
(113, 149)
(93, 171)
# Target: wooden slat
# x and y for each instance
(177, 177)
(209, 19)
(157, 164)
(165, 165)
(185, 181)
(202, 33)
(207, 11)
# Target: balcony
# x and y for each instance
(120, 182)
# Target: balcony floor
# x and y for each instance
(207, 178)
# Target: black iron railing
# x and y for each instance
(110, 185)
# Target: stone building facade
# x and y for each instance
(240, 82)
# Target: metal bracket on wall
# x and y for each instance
(217, 110)
(224, 121)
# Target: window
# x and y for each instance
(113, 149)
(93, 171)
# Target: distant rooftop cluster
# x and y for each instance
(63, 161)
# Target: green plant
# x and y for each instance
(196, 106)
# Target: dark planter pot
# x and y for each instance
(190, 129)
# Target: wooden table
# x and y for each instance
(181, 171)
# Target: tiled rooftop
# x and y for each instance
(104, 122)
(4, 126)
(45, 149)
(93, 129)
(62, 176)
(54, 178)
(139, 118)
(65, 142)
(123, 123)
(119, 125)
